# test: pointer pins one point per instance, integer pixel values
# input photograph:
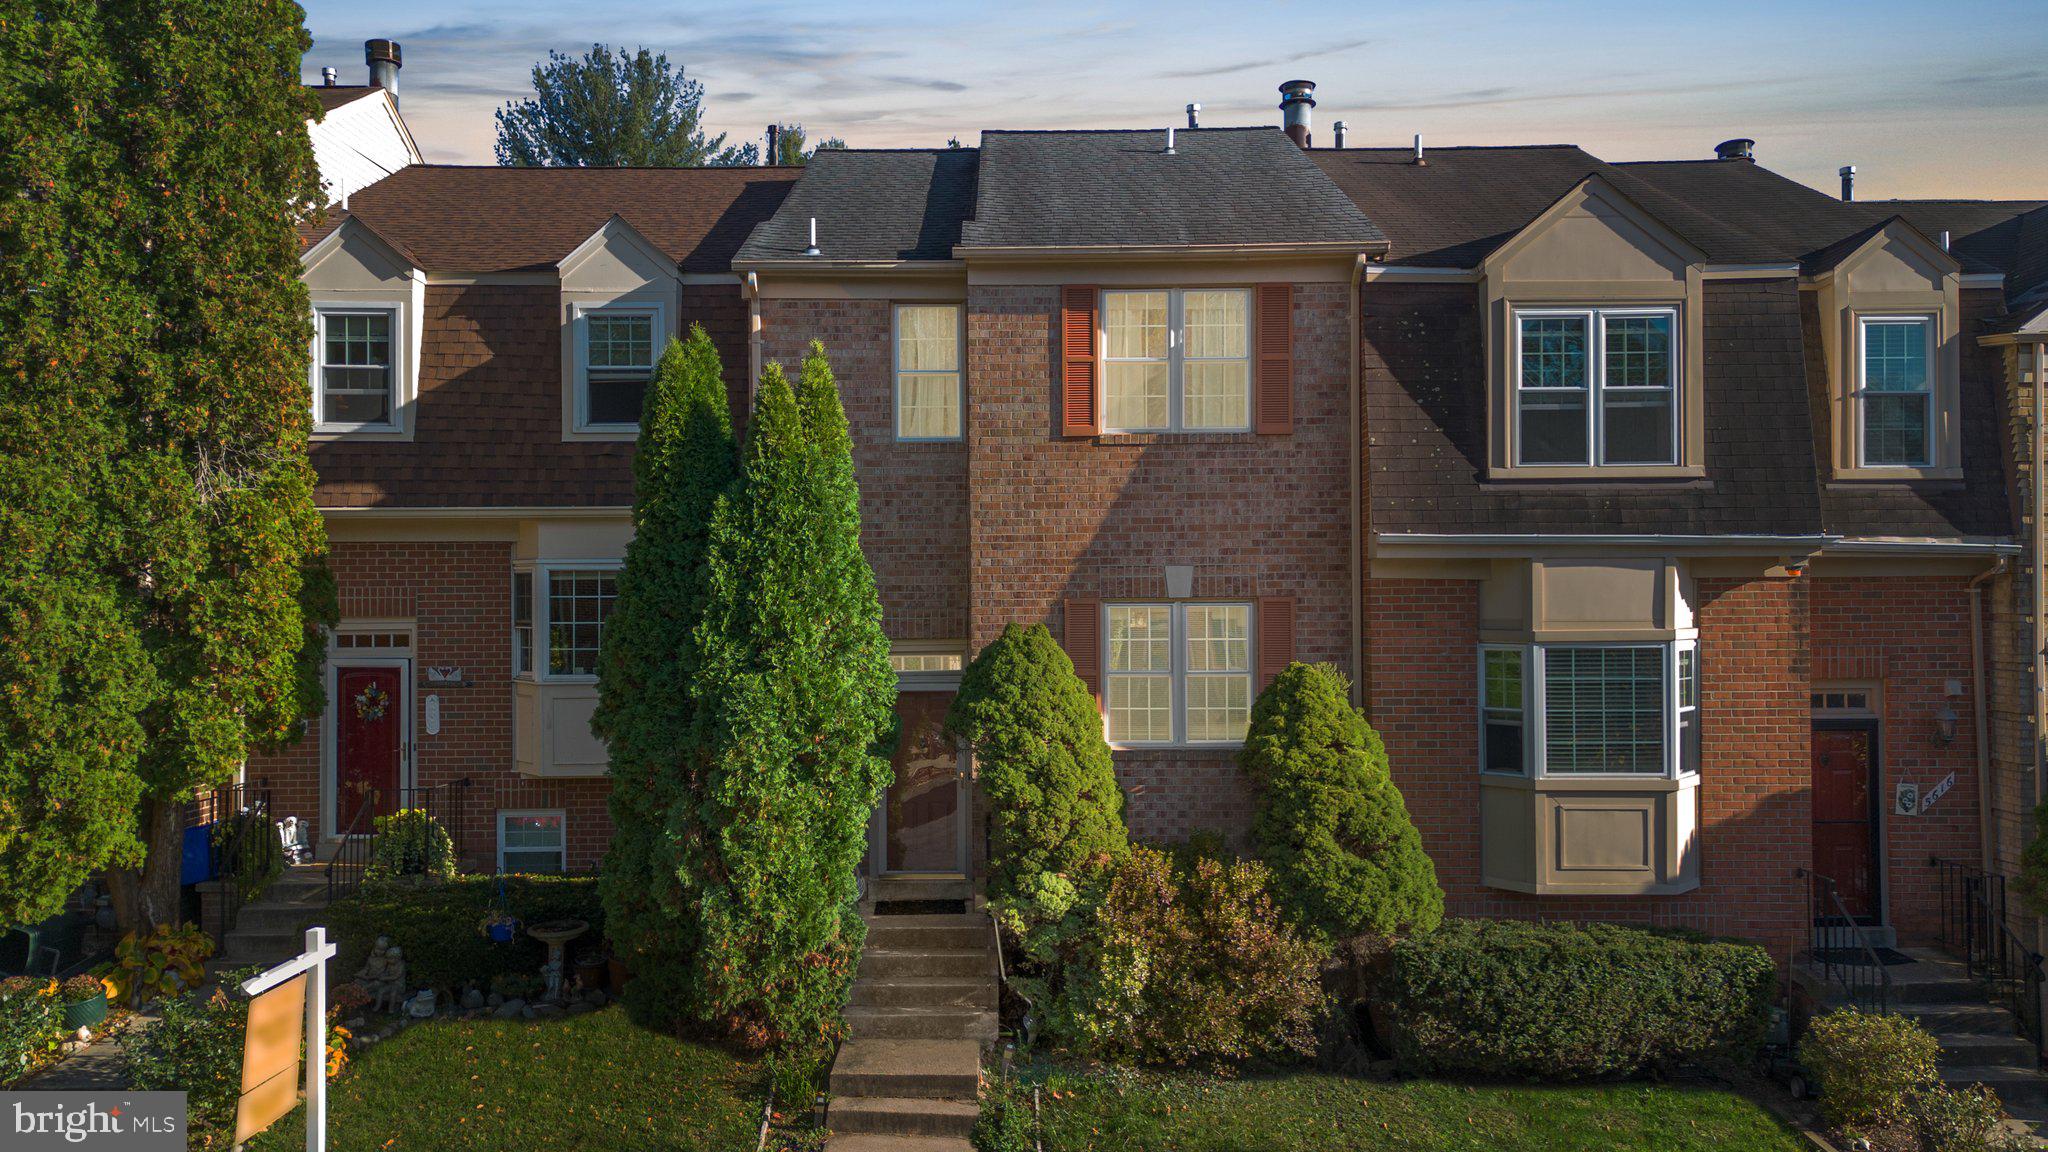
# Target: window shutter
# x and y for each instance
(1084, 643)
(1273, 396)
(1276, 637)
(1078, 393)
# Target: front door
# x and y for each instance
(921, 815)
(1845, 816)
(369, 743)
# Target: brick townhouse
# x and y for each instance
(1669, 516)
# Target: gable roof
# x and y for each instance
(872, 206)
(332, 96)
(487, 219)
(1120, 189)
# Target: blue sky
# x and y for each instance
(1943, 99)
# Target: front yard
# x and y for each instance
(581, 1082)
(1309, 1112)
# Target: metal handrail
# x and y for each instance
(228, 802)
(352, 855)
(1867, 985)
(1975, 926)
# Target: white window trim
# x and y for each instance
(1176, 359)
(1177, 665)
(897, 372)
(400, 360)
(580, 356)
(1534, 700)
(1930, 324)
(1596, 385)
(557, 812)
(541, 570)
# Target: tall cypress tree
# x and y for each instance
(796, 690)
(647, 698)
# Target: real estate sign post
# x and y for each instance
(287, 1017)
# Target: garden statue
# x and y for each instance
(383, 976)
(292, 835)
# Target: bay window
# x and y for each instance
(1177, 360)
(1590, 710)
(1895, 390)
(558, 619)
(1178, 673)
(1596, 386)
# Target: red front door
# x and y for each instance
(368, 744)
(1844, 829)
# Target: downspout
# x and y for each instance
(1358, 526)
(750, 287)
(1978, 710)
(2039, 539)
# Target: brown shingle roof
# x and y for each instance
(334, 96)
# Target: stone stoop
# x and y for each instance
(271, 928)
(922, 1010)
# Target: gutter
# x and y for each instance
(1978, 706)
(1519, 544)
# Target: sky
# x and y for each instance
(1926, 99)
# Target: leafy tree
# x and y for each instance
(953, 142)
(1053, 800)
(647, 699)
(611, 110)
(795, 689)
(1346, 860)
(789, 145)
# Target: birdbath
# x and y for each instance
(556, 934)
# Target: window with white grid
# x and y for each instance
(1177, 360)
(356, 373)
(1178, 673)
(1897, 390)
(579, 603)
(928, 392)
(1596, 386)
(619, 345)
(533, 842)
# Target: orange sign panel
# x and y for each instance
(270, 1057)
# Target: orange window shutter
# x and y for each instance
(1078, 394)
(1084, 642)
(1276, 637)
(1273, 399)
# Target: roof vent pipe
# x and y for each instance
(1944, 239)
(1297, 100)
(384, 60)
(1848, 174)
(813, 249)
(1418, 149)
(1169, 139)
(1194, 115)
(774, 139)
(328, 77)
(1339, 126)
(1740, 148)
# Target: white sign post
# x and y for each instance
(313, 963)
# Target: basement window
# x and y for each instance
(533, 842)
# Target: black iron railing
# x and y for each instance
(243, 847)
(1976, 927)
(358, 843)
(1839, 950)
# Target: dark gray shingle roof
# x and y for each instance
(872, 205)
(1222, 186)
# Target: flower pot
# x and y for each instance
(503, 931)
(591, 973)
(86, 1013)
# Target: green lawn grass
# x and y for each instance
(1318, 1113)
(592, 1082)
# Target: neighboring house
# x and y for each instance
(359, 137)
(1653, 507)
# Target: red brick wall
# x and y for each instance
(457, 596)
(1909, 635)
(913, 496)
(1053, 518)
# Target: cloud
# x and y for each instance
(924, 82)
(1269, 62)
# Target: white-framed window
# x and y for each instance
(1596, 386)
(925, 661)
(559, 612)
(533, 841)
(1177, 360)
(1895, 390)
(1590, 709)
(355, 371)
(616, 349)
(1177, 673)
(929, 397)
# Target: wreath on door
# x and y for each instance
(371, 703)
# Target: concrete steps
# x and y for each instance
(930, 1069)
(868, 1142)
(920, 1023)
(925, 991)
(270, 928)
(904, 1116)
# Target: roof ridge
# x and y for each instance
(611, 167)
(1125, 131)
(1434, 148)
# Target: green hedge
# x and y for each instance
(437, 926)
(31, 1024)
(1572, 1001)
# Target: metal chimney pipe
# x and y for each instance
(329, 76)
(384, 60)
(813, 249)
(1297, 102)
(1418, 149)
(1848, 175)
(1194, 115)
(1339, 127)
(1944, 239)
(1169, 139)
(774, 139)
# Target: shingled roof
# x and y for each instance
(872, 206)
(332, 96)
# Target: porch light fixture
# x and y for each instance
(1945, 725)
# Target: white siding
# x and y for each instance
(359, 144)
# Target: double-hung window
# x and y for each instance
(616, 347)
(533, 842)
(1590, 710)
(1178, 673)
(928, 394)
(1895, 389)
(357, 382)
(558, 619)
(1177, 360)
(1596, 386)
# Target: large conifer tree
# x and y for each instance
(796, 689)
(647, 696)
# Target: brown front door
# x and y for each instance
(1845, 816)
(369, 744)
(921, 817)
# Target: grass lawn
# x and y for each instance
(576, 1082)
(1319, 1113)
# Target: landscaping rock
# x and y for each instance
(581, 1007)
(546, 1010)
(510, 1008)
(595, 997)
(473, 999)
(494, 1000)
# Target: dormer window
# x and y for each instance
(1895, 390)
(356, 375)
(616, 350)
(1596, 386)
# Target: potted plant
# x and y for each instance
(85, 1002)
(591, 964)
(499, 926)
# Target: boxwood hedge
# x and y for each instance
(436, 926)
